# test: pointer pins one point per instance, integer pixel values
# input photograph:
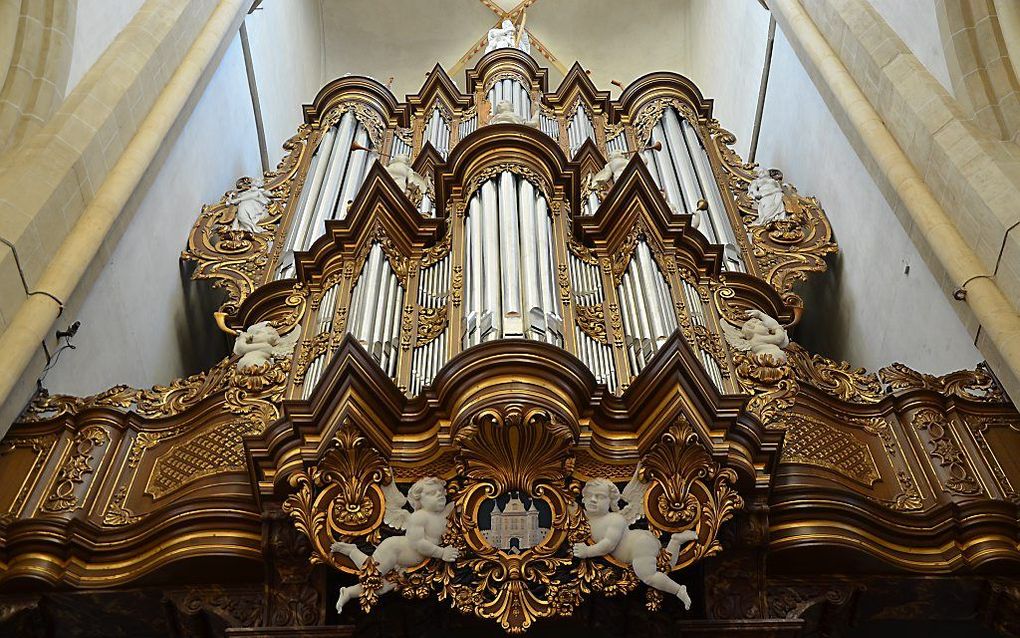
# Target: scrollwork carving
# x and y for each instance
(77, 465)
(975, 385)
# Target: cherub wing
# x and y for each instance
(634, 495)
(396, 516)
(735, 337)
(287, 343)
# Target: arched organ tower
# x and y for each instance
(505, 290)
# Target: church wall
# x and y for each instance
(916, 23)
(285, 82)
(134, 323)
(97, 23)
(865, 309)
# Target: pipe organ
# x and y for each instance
(513, 262)
(490, 322)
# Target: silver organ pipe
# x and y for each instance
(579, 129)
(588, 292)
(468, 125)
(549, 125)
(323, 324)
(427, 359)
(696, 312)
(335, 177)
(510, 270)
(645, 300)
(618, 143)
(400, 147)
(437, 132)
(682, 170)
(376, 305)
(515, 93)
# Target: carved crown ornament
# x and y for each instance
(455, 546)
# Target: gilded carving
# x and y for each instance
(946, 451)
(836, 378)
(116, 514)
(771, 383)
(592, 321)
(77, 465)
(810, 441)
(974, 385)
(431, 323)
(41, 446)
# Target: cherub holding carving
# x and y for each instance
(611, 171)
(760, 334)
(423, 533)
(504, 113)
(260, 343)
(252, 205)
(406, 178)
(639, 548)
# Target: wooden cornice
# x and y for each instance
(576, 82)
(493, 61)
(358, 87)
(438, 83)
(659, 84)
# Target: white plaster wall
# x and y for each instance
(96, 24)
(916, 22)
(134, 320)
(286, 46)
(725, 53)
(867, 309)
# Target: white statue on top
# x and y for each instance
(504, 113)
(423, 533)
(252, 205)
(760, 334)
(766, 189)
(639, 548)
(400, 170)
(503, 36)
(260, 343)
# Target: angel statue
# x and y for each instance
(760, 334)
(504, 113)
(260, 343)
(423, 531)
(639, 548)
(766, 189)
(400, 170)
(252, 205)
(612, 170)
(503, 36)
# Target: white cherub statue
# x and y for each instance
(260, 343)
(400, 170)
(612, 170)
(504, 113)
(760, 334)
(423, 531)
(639, 548)
(252, 205)
(767, 192)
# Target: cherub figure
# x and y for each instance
(400, 170)
(423, 531)
(252, 205)
(504, 113)
(260, 343)
(766, 189)
(612, 170)
(760, 334)
(639, 548)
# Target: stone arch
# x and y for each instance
(984, 79)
